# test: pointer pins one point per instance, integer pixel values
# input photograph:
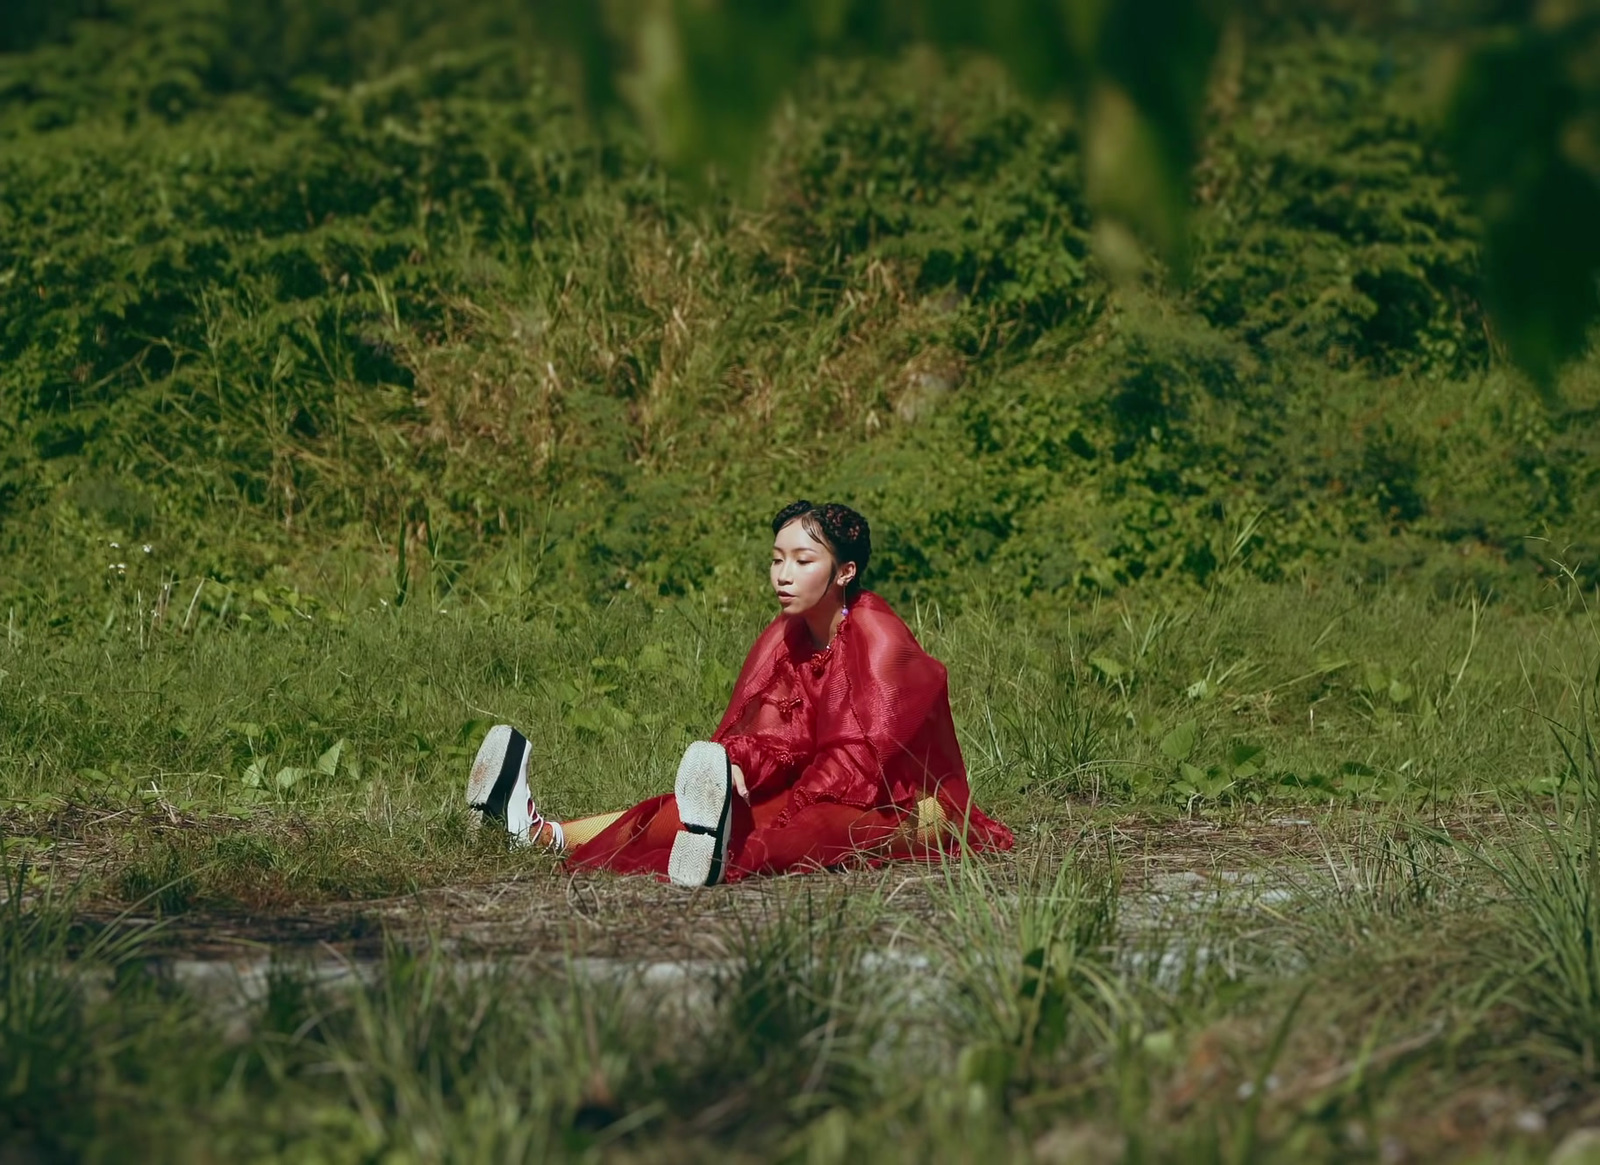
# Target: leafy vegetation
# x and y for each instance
(296, 331)
(1517, 80)
(359, 390)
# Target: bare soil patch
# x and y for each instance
(536, 908)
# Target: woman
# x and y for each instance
(837, 746)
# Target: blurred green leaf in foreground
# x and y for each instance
(704, 77)
(1525, 134)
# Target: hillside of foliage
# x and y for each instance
(365, 309)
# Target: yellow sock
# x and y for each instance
(930, 821)
(587, 828)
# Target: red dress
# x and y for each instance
(837, 746)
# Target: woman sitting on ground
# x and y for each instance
(837, 746)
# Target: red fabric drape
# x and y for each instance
(837, 746)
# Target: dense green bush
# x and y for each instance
(1331, 227)
(353, 299)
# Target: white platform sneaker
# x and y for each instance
(705, 807)
(497, 788)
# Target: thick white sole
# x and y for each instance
(497, 786)
(705, 804)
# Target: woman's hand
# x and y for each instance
(738, 782)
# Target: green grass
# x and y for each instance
(356, 394)
(1251, 693)
(1422, 973)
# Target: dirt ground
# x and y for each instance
(545, 910)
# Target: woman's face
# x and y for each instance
(803, 569)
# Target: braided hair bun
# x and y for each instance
(843, 531)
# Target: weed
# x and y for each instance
(1549, 869)
(158, 880)
(54, 1046)
(795, 1015)
(1030, 969)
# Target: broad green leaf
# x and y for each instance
(1160, 1045)
(1179, 743)
(328, 762)
(600, 718)
(655, 657)
(288, 778)
(1243, 754)
(1427, 714)
(1374, 678)
(588, 720)
(255, 774)
(1155, 57)
(1358, 783)
(1242, 760)
(1108, 667)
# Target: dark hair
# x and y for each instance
(837, 527)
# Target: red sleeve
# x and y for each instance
(762, 730)
(764, 762)
(844, 770)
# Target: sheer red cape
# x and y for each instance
(838, 748)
